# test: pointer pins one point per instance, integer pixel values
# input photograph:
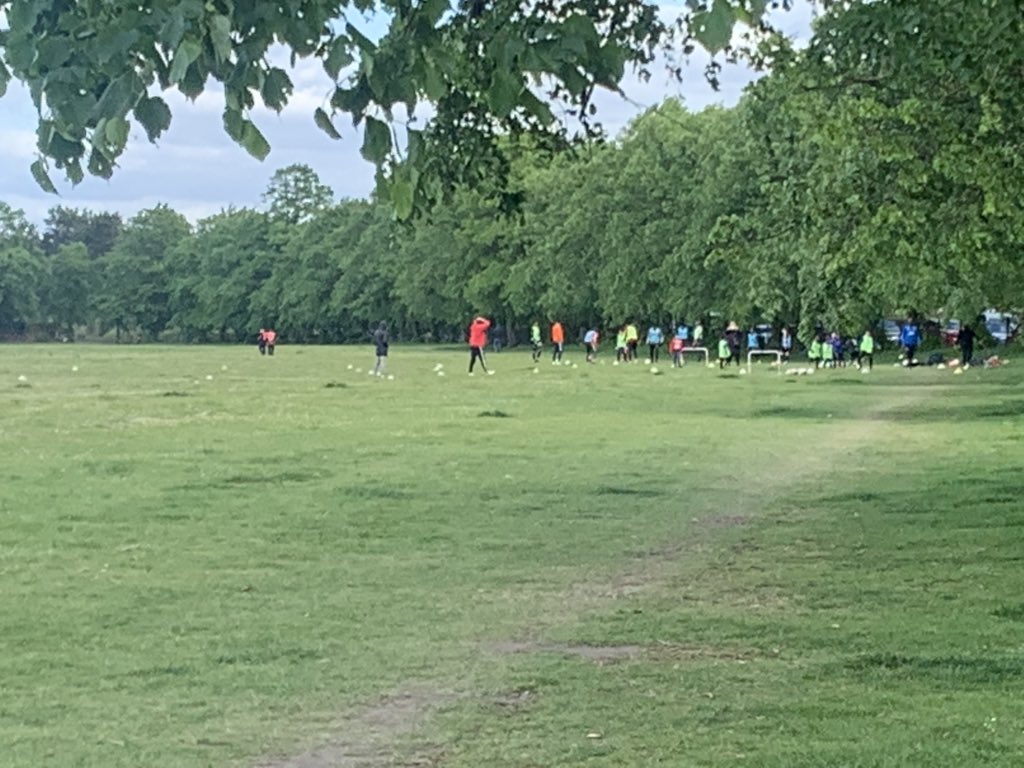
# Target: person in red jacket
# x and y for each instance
(477, 342)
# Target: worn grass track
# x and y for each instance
(291, 559)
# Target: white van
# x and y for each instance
(1001, 326)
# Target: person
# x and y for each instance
(621, 350)
(786, 342)
(655, 338)
(683, 332)
(675, 346)
(828, 359)
(733, 338)
(838, 358)
(910, 337)
(965, 340)
(557, 342)
(866, 351)
(814, 351)
(261, 341)
(632, 341)
(271, 336)
(590, 341)
(724, 354)
(497, 337)
(753, 341)
(477, 341)
(535, 340)
(698, 334)
(380, 342)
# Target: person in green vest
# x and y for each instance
(621, 348)
(866, 351)
(535, 340)
(828, 359)
(724, 353)
(814, 351)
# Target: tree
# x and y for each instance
(22, 272)
(487, 68)
(136, 286)
(67, 299)
(97, 231)
(295, 194)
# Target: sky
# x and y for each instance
(198, 171)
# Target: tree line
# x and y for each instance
(875, 172)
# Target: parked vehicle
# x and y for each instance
(950, 332)
(1001, 326)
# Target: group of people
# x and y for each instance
(827, 349)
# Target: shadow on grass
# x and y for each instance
(976, 670)
(1000, 409)
(615, 490)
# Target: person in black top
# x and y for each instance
(965, 340)
(380, 341)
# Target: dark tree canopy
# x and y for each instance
(488, 68)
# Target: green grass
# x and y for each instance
(590, 566)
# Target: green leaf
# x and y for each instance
(402, 193)
(253, 141)
(434, 9)
(376, 141)
(713, 28)
(5, 78)
(116, 133)
(117, 97)
(187, 53)
(277, 87)
(365, 44)
(338, 57)
(153, 115)
(38, 169)
(434, 84)
(503, 95)
(220, 36)
(536, 107)
(323, 122)
(234, 124)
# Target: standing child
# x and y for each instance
(380, 341)
(655, 338)
(676, 348)
(261, 342)
(590, 339)
(786, 342)
(621, 350)
(271, 336)
(698, 334)
(724, 353)
(535, 340)
(477, 342)
(557, 342)
(632, 341)
(733, 338)
(814, 351)
(866, 351)
(828, 359)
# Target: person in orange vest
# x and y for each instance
(477, 342)
(271, 336)
(557, 342)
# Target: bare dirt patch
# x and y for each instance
(597, 653)
(368, 738)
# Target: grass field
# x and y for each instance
(208, 558)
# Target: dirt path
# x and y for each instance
(369, 737)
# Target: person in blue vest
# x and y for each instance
(655, 338)
(910, 338)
